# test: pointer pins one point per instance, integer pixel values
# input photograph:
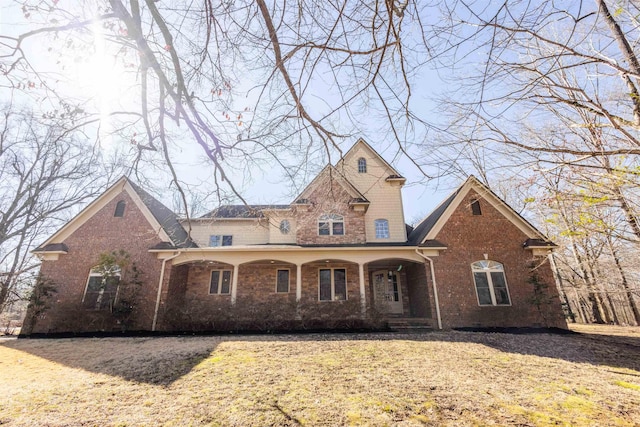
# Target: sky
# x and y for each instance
(99, 78)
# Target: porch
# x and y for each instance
(295, 286)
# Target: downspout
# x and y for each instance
(155, 313)
(435, 287)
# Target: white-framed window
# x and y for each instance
(362, 165)
(285, 226)
(282, 281)
(331, 225)
(332, 284)
(220, 283)
(382, 228)
(101, 290)
(491, 283)
(215, 240)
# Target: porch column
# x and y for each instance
(363, 298)
(298, 282)
(234, 284)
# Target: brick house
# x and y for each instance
(339, 255)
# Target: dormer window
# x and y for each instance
(331, 225)
(119, 212)
(362, 165)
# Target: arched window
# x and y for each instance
(382, 228)
(101, 290)
(120, 209)
(491, 284)
(362, 165)
(331, 225)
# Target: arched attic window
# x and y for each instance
(362, 165)
(119, 212)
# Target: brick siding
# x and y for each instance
(468, 238)
(328, 197)
(101, 233)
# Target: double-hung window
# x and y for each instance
(491, 284)
(331, 225)
(332, 284)
(220, 283)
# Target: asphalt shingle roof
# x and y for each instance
(166, 217)
(241, 211)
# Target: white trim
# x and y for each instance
(298, 282)
(435, 287)
(234, 284)
(159, 295)
(386, 224)
(363, 295)
(288, 280)
(333, 284)
(331, 221)
(220, 278)
(93, 273)
(362, 165)
(486, 194)
(492, 292)
(335, 175)
(361, 141)
(92, 208)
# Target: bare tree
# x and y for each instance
(249, 83)
(45, 172)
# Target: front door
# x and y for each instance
(386, 284)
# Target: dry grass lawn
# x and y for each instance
(438, 378)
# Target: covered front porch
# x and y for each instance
(294, 284)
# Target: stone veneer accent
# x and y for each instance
(328, 197)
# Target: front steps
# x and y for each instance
(410, 324)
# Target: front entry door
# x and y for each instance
(386, 284)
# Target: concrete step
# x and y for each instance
(409, 323)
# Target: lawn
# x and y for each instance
(437, 378)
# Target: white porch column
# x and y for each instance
(234, 284)
(298, 282)
(363, 297)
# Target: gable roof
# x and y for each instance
(393, 173)
(419, 233)
(337, 176)
(240, 211)
(167, 219)
(433, 223)
(161, 218)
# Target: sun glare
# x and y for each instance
(102, 79)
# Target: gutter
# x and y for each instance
(435, 287)
(155, 313)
